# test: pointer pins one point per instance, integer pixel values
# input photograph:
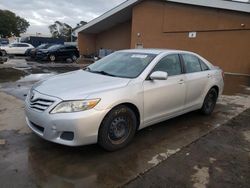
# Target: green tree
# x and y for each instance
(61, 30)
(10, 24)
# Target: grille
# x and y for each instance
(40, 104)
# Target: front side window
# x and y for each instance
(122, 64)
(55, 47)
(191, 63)
(170, 64)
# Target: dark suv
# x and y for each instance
(32, 52)
(58, 52)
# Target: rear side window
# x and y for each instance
(70, 48)
(14, 45)
(204, 66)
(170, 64)
(22, 45)
(191, 63)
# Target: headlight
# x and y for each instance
(75, 106)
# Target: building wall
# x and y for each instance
(221, 37)
(86, 43)
(116, 38)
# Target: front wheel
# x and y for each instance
(4, 53)
(209, 102)
(117, 129)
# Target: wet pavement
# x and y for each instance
(28, 161)
(219, 159)
(17, 75)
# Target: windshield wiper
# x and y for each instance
(87, 68)
(99, 72)
(102, 72)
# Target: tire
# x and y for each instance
(74, 58)
(52, 58)
(3, 52)
(117, 129)
(209, 102)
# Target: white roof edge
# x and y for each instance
(107, 14)
(221, 4)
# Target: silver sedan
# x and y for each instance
(124, 92)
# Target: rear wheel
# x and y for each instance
(52, 57)
(117, 129)
(209, 102)
(74, 58)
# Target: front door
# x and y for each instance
(164, 98)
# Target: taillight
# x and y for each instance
(222, 73)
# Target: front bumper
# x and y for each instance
(83, 126)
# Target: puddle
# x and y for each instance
(10, 75)
(18, 81)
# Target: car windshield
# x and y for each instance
(54, 47)
(122, 64)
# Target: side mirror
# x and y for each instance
(159, 75)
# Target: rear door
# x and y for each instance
(64, 52)
(70, 51)
(164, 98)
(21, 49)
(196, 81)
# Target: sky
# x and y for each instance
(41, 13)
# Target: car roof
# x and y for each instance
(20, 43)
(154, 51)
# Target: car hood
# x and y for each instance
(78, 85)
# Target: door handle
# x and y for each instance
(181, 81)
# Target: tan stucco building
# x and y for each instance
(219, 30)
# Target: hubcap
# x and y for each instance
(210, 101)
(119, 130)
(52, 58)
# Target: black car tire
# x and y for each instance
(74, 58)
(52, 57)
(3, 52)
(117, 129)
(209, 102)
